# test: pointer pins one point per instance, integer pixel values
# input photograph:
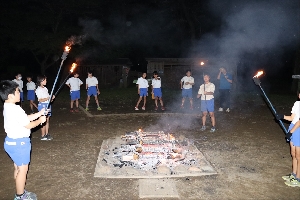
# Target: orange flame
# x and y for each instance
(202, 63)
(67, 48)
(258, 74)
(74, 65)
(171, 137)
(140, 130)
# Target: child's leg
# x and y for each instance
(182, 101)
(77, 103)
(294, 159)
(161, 102)
(47, 125)
(297, 156)
(212, 117)
(72, 103)
(87, 101)
(138, 102)
(156, 101)
(20, 178)
(97, 102)
(204, 118)
(145, 98)
(30, 105)
(191, 102)
(33, 104)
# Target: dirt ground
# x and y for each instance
(248, 151)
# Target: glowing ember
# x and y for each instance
(74, 65)
(258, 74)
(202, 63)
(140, 130)
(67, 48)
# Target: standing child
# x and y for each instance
(186, 84)
(31, 93)
(44, 98)
(74, 83)
(17, 144)
(206, 91)
(143, 85)
(293, 136)
(18, 80)
(156, 90)
(92, 89)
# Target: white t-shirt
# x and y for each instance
(156, 83)
(30, 85)
(20, 83)
(296, 111)
(209, 87)
(41, 93)
(74, 83)
(143, 83)
(91, 81)
(187, 79)
(15, 120)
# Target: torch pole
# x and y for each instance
(62, 84)
(63, 57)
(270, 104)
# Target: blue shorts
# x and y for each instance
(44, 105)
(92, 91)
(21, 96)
(143, 92)
(75, 95)
(18, 150)
(157, 92)
(208, 105)
(295, 139)
(187, 93)
(30, 95)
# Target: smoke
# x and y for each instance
(252, 27)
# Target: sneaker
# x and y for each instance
(220, 109)
(48, 136)
(99, 108)
(71, 110)
(87, 109)
(227, 110)
(156, 108)
(213, 129)
(76, 110)
(203, 128)
(288, 177)
(136, 108)
(143, 108)
(162, 108)
(293, 183)
(44, 137)
(26, 196)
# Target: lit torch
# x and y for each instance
(257, 82)
(74, 65)
(63, 57)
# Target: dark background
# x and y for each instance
(251, 35)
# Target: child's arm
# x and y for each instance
(43, 99)
(37, 115)
(181, 84)
(297, 125)
(98, 91)
(35, 123)
(86, 86)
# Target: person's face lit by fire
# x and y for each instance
(144, 75)
(206, 78)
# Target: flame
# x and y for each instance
(171, 137)
(258, 74)
(140, 130)
(67, 48)
(74, 65)
(202, 63)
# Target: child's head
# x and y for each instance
(9, 91)
(206, 77)
(41, 80)
(155, 73)
(29, 78)
(188, 72)
(90, 73)
(75, 74)
(18, 76)
(144, 74)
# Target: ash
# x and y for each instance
(151, 152)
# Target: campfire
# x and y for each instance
(148, 150)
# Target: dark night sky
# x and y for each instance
(249, 34)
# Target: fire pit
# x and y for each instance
(141, 154)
